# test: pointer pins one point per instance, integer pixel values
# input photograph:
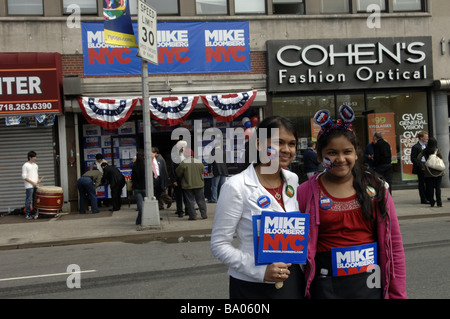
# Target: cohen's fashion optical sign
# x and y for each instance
(330, 64)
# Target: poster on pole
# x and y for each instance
(148, 43)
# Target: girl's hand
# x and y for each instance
(277, 272)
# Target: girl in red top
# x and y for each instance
(349, 217)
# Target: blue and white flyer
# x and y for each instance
(283, 237)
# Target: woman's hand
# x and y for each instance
(277, 272)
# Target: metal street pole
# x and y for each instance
(150, 210)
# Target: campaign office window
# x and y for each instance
(409, 5)
(288, 7)
(361, 5)
(166, 7)
(205, 7)
(86, 6)
(250, 6)
(334, 6)
(25, 7)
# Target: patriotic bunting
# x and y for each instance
(227, 107)
(109, 114)
(167, 111)
(170, 111)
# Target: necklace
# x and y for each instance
(277, 190)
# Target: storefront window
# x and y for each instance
(211, 7)
(166, 7)
(398, 116)
(361, 5)
(249, 6)
(288, 7)
(334, 6)
(25, 7)
(86, 6)
(408, 5)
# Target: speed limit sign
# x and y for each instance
(148, 43)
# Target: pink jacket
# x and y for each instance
(391, 257)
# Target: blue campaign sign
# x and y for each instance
(353, 260)
(283, 237)
(183, 47)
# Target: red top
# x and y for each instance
(343, 225)
(278, 190)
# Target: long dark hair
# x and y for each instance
(139, 165)
(362, 176)
(431, 147)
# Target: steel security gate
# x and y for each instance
(15, 143)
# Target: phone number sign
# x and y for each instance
(26, 88)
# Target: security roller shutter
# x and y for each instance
(15, 143)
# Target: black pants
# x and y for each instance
(344, 287)
(422, 187)
(116, 192)
(433, 185)
(293, 287)
(385, 170)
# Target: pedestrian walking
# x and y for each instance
(418, 165)
(255, 189)
(87, 185)
(219, 169)
(382, 158)
(351, 212)
(30, 175)
(190, 172)
(138, 183)
(433, 177)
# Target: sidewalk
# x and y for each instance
(17, 232)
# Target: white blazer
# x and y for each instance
(238, 202)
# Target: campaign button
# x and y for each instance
(263, 201)
(290, 191)
(325, 203)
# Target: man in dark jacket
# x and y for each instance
(310, 159)
(220, 172)
(417, 167)
(382, 158)
(114, 177)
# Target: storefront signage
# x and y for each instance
(331, 64)
(183, 47)
(30, 83)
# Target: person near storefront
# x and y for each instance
(190, 172)
(351, 212)
(138, 183)
(382, 158)
(417, 165)
(261, 186)
(114, 177)
(87, 185)
(30, 175)
(433, 177)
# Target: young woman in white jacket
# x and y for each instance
(260, 187)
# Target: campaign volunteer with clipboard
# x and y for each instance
(260, 187)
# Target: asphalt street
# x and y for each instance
(186, 270)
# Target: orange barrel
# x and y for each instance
(49, 199)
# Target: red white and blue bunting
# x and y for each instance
(170, 111)
(227, 107)
(107, 113)
(167, 111)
